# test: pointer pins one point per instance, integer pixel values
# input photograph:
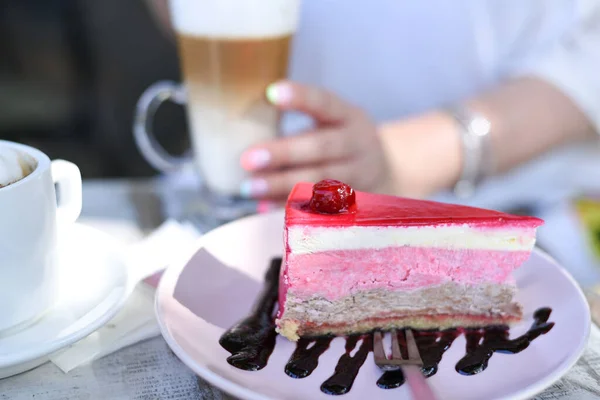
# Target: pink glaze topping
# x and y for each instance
(381, 210)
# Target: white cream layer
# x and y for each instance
(309, 239)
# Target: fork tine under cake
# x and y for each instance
(358, 261)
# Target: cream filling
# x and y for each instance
(309, 239)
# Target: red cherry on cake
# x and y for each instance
(332, 197)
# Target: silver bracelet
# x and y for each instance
(475, 137)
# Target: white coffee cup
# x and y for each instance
(29, 219)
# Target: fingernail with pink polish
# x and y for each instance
(253, 188)
(279, 93)
(255, 159)
(265, 206)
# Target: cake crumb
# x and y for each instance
(289, 329)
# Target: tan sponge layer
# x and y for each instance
(439, 307)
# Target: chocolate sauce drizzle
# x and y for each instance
(347, 367)
(495, 339)
(305, 358)
(252, 340)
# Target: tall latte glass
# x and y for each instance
(230, 51)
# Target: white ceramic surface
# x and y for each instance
(93, 285)
(28, 229)
(205, 292)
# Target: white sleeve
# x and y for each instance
(572, 61)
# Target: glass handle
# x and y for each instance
(146, 107)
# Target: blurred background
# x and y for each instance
(71, 72)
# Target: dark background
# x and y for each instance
(71, 72)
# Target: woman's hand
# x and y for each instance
(345, 145)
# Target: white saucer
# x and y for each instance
(207, 291)
(93, 287)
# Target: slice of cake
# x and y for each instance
(356, 261)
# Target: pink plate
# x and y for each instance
(205, 292)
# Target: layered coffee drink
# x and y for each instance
(14, 166)
(230, 51)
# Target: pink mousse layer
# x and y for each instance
(331, 274)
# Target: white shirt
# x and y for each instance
(399, 57)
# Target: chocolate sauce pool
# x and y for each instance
(252, 340)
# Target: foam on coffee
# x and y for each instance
(235, 18)
(14, 166)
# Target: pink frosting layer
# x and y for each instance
(335, 274)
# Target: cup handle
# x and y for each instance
(67, 177)
(146, 107)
